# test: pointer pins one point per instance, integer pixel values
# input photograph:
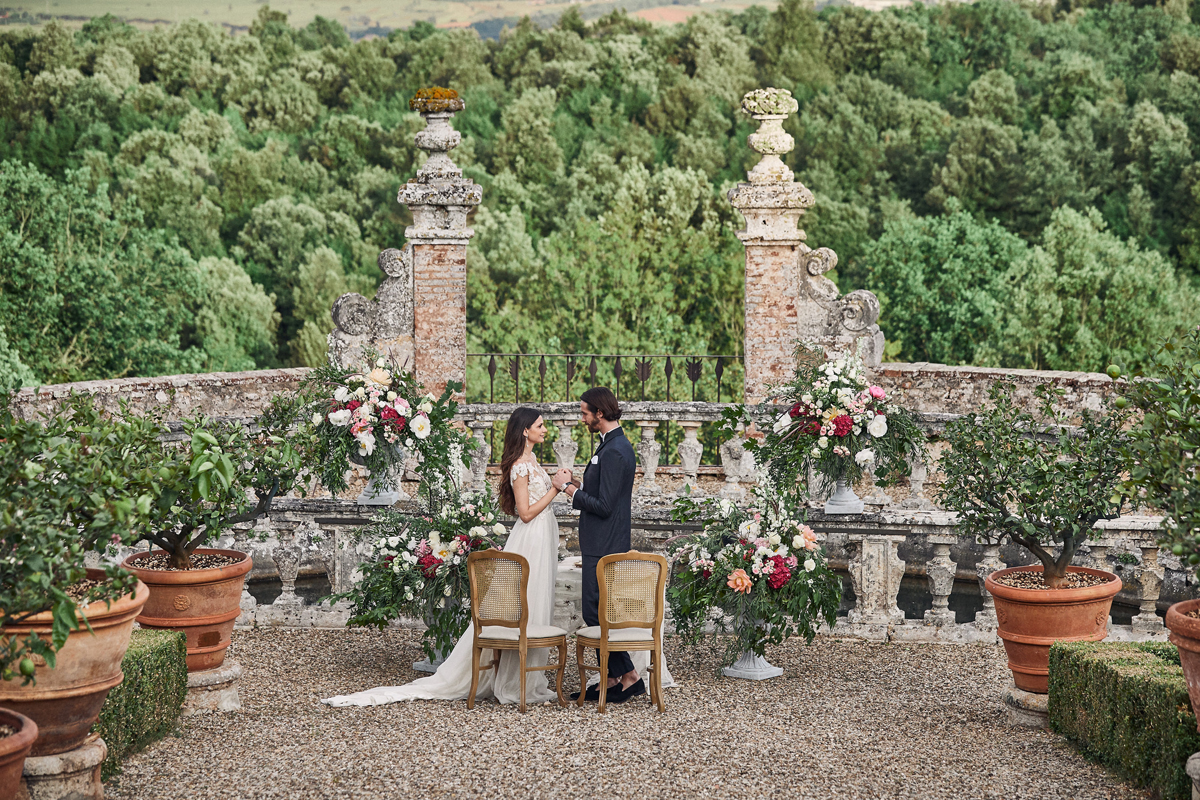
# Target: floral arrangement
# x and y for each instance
(377, 417)
(757, 572)
(417, 567)
(839, 426)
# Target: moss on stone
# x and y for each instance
(1126, 706)
(146, 706)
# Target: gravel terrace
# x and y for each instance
(847, 720)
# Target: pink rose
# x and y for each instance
(739, 581)
(877, 392)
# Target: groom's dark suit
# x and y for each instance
(604, 520)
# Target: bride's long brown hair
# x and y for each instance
(519, 421)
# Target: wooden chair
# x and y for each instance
(631, 614)
(500, 616)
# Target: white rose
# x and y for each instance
(806, 399)
(783, 423)
(360, 393)
(420, 426)
(340, 418)
(497, 529)
(408, 443)
(408, 596)
(425, 407)
(878, 426)
(864, 457)
(381, 362)
(396, 567)
(809, 565)
(823, 442)
(774, 539)
(491, 517)
(341, 395)
(797, 542)
(391, 396)
(318, 418)
(815, 453)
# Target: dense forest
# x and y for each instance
(1017, 182)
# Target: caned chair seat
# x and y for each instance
(500, 619)
(632, 586)
(617, 634)
(514, 634)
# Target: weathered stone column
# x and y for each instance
(480, 455)
(940, 572)
(985, 619)
(690, 452)
(1150, 576)
(649, 451)
(732, 451)
(440, 199)
(787, 296)
(875, 573)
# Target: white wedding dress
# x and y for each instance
(538, 542)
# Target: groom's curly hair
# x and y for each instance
(602, 401)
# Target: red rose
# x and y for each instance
(428, 565)
(388, 559)
(781, 575)
(707, 573)
(842, 425)
(389, 413)
(794, 411)
(353, 404)
(812, 427)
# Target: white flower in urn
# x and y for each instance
(446, 591)
(366, 443)
(478, 532)
(497, 529)
(809, 565)
(823, 442)
(318, 418)
(784, 421)
(878, 426)
(420, 426)
(864, 457)
(774, 539)
(341, 394)
(341, 418)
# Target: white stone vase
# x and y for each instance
(843, 500)
(439, 656)
(752, 667)
(380, 491)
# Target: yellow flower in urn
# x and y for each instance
(739, 581)
(380, 376)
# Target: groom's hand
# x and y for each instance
(561, 478)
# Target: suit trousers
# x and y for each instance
(618, 663)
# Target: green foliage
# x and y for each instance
(73, 481)
(1162, 444)
(1126, 706)
(146, 705)
(1033, 479)
(139, 168)
(756, 572)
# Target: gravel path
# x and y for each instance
(847, 720)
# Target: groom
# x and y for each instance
(604, 501)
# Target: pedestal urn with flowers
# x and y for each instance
(756, 572)
(837, 427)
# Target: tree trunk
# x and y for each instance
(180, 559)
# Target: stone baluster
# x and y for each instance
(916, 483)
(985, 620)
(1150, 576)
(287, 561)
(480, 455)
(241, 543)
(875, 573)
(690, 452)
(565, 448)
(732, 451)
(648, 452)
(940, 572)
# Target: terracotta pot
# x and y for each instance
(1185, 635)
(200, 603)
(13, 750)
(1030, 620)
(66, 700)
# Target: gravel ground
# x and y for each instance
(847, 720)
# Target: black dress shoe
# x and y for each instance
(621, 695)
(592, 695)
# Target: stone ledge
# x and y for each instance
(73, 775)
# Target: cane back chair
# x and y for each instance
(500, 616)
(631, 614)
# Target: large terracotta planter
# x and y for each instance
(13, 750)
(1185, 635)
(202, 604)
(1030, 620)
(66, 700)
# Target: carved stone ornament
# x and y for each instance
(836, 323)
(439, 197)
(384, 324)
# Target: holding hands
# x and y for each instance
(562, 478)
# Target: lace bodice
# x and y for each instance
(539, 480)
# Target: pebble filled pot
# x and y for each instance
(202, 603)
(1040, 481)
(15, 743)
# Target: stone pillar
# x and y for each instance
(919, 472)
(649, 451)
(440, 199)
(480, 455)
(73, 775)
(565, 449)
(940, 572)
(985, 620)
(690, 452)
(1150, 576)
(875, 572)
(732, 451)
(788, 299)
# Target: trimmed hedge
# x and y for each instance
(1125, 704)
(146, 706)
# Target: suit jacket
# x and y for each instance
(606, 496)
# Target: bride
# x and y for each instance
(525, 492)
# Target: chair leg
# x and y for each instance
(603, 685)
(475, 653)
(562, 669)
(521, 673)
(582, 674)
(658, 690)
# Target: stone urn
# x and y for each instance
(1185, 635)
(750, 666)
(65, 701)
(13, 749)
(203, 604)
(1030, 620)
(380, 489)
